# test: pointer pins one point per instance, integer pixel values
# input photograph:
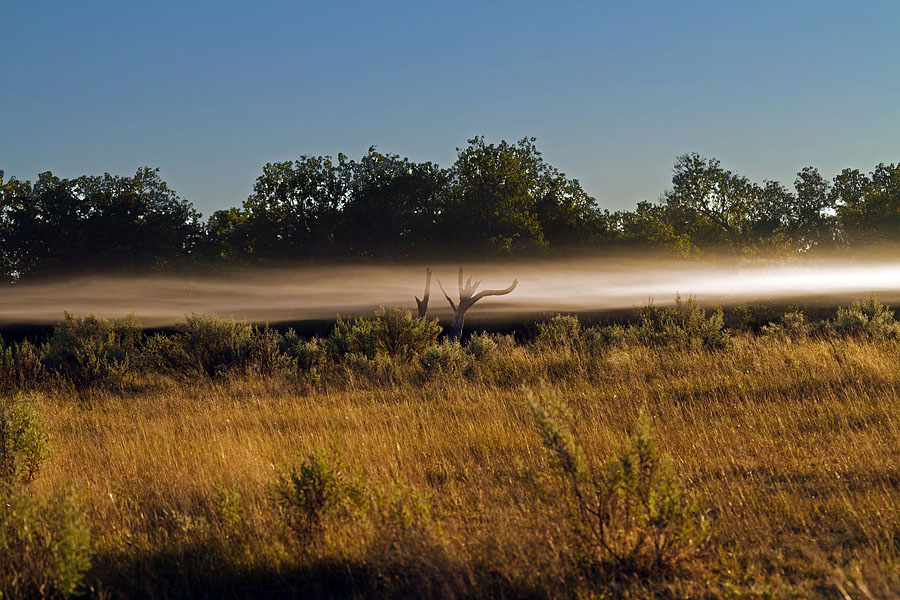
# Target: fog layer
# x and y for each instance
(295, 294)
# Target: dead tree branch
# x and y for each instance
(423, 303)
(468, 297)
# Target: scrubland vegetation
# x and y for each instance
(666, 457)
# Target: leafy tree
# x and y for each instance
(651, 225)
(294, 207)
(59, 225)
(227, 235)
(494, 208)
(508, 200)
(394, 206)
(812, 218)
(868, 207)
(708, 194)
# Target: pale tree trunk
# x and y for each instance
(467, 298)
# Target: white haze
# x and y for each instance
(293, 294)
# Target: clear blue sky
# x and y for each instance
(211, 91)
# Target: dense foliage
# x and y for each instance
(495, 200)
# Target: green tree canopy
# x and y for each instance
(868, 206)
(508, 200)
(58, 225)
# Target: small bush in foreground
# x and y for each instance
(595, 339)
(44, 543)
(213, 346)
(311, 355)
(23, 442)
(448, 358)
(313, 490)
(216, 345)
(631, 513)
(482, 347)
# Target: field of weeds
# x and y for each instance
(668, 458)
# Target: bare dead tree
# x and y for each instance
(468, 297)
(423, 303)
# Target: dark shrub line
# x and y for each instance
(391, 346)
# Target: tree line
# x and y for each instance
(495, 200)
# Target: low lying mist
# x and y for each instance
(308, 293)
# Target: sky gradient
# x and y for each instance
(210, 92)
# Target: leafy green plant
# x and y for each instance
(595, 339)
(394, 332)
(447, 357)
(792, 324)
(265, 352)
(23, 441)
(562, 331)
(44, 544)
(630, 513)
(163, 353)
(20, 365)
(211, 345)
(215, 344)
(871, 318)
(310, 354)
(482, 347)
(315, 489)
(229, 508)
(44, 540)
(89, 350)
(684, 325)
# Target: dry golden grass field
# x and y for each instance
(442, 484)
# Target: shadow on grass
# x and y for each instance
(190, 574)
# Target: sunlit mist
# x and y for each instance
(288, 294)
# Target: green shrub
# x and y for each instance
(562, 331)
(216, 345)
(505, 342)
(394, 331)
(213, 346)
(23, 441)
(871, 319)
(379, 370)
(595, 339)
(684, 325)
(352, 337)
(315, 489)
(792, 324)
(409, 554)
(447, 357)
(482, 347)
(20, 365)
(166, 354)
(399, 334)
(265, 352)
(311, 355)
(630, 513)
(44, 544)
(89, 350)
(229, 510)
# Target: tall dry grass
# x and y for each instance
(789, 447)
